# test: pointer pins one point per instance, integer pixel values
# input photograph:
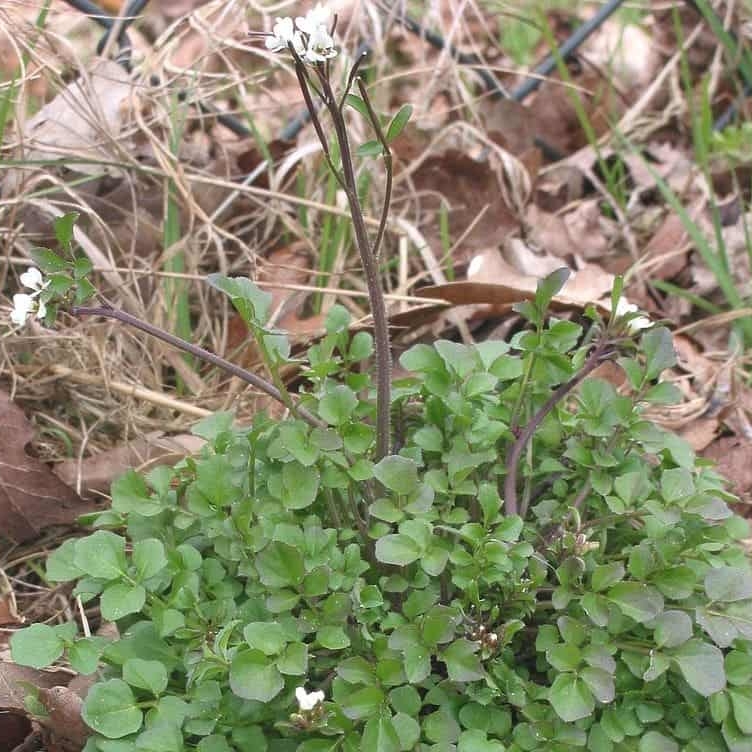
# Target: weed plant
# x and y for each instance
(504, 555)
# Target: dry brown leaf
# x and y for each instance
(667, 252)
(733, 457)
(32, 498)
(64, 720)
(84, 120)
(474, 192)
(95, 474)
(12, 691)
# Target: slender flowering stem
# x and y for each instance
(250, 378)
(387, 154)
(596, 357)
(370, 268)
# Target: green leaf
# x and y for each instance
(379, 735)
(338, 405)
(564, 657)
(48, 261)
(251, 302)
(214, 743)
(267, 636)
(362, 703)
(149, 675)
(605, 575)
(636, 600)
(111, 709)
(658, 347)
(570, 698)
(300, 485)
(101, 555)
(397, 549)
(333, 638)
(119, 600)
(280, 565)
(476, 740)
(162, 737)
(701, 666)
(82, 267)
(398, 474)
(672, 628)
(600, 683)
(149, 557)
(741, 703)
(462, 661)
(356, 670)
(398, 123)
(37, 646)
(654, 741)
(84, 654)
(550, 286)
(369, 149)
(60, 563)
(64, 228)
(358, 104)
(408, 731)
(728, 584)
(131, 494)
(254, 677)
(294, 659)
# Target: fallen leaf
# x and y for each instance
(96, 473)
(32, 497)
(13, 677)
(84, 120)
(473, 193)
(733, 458)
(64, 720)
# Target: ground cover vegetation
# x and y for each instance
(507, 539)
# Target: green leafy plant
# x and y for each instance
(613, 613)
(517, 560)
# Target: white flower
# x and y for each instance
(308, 700)
(23, 305)
(320, 46)
(638, 322)
(33, 279)
(315, 19)
(283, 35)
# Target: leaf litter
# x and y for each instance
(479, 213)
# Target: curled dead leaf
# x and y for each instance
(32, 497)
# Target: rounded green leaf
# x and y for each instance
(636, 600)
(253, 676)
(397, 549)
(338, 404)
(333, 638)
(119, 600)
(149, 557)
(266, 636)
(36, 646)
(150, 675)
(571, 698)
(701, 665)
(654, 741)
(280, 565)
(101, 555)
(398, 474)
(60, 564)
(111, 709)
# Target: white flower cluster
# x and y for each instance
(638, 322)
(308, 700)
(25, 304)
(309, 35)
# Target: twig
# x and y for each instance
(595, 358)
(199, 352)
(387, 154)
(370, 268)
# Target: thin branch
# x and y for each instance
(596, 357)
(370, 268)
(199, 352)
(387, 154)
(351, 79)
(304, 82)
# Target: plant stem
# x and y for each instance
(375, 293)
(515, 453)
(250, 378)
